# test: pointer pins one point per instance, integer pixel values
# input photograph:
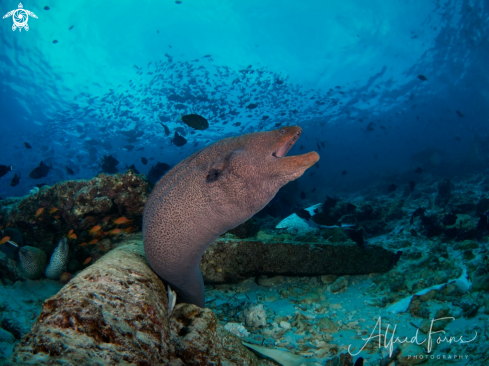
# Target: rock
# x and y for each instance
(6, 337)
(199, 339)
(269, 282)
(81, 205)
(327, 279)
(466, 244)
(338, 285)
(232, 261)
(411, 354)
(113, 312)
(254, 315)
(480, 283)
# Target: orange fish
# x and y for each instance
(39, 211)
(122, 220)
(94, 241)
(106, 219)
(114, 232)
(87, 260)
(95, 229)
(5, 239)
(73, 236)
(83, 244)
(130, 229)
(53, 210)
(56, 217)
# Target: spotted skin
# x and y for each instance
(59, 261)
(32, 261)
(209, 193)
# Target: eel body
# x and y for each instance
(211, 192)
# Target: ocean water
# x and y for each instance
(392, 95)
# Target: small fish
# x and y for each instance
(422, 77)
(53, 210)
(94, 241)
(460, 114)
(343, 172)
(319, 146)
(87, 260)
(144, 160)
(39, 212)
(55, 41)
(121, 220)
(15, 181)
(70, 28)
(251, 106)
(57, 217)
(4, 169)
(303, 195)
(95, 229)
(40, 172)
(418, 170)
(83, 244)
(69, 171)
(27, 145)
(45, 8)
(130, 229)
(167, 130)
(303, 214)
(178, 140)
(4, 239)
(114, 231)
(197, 122)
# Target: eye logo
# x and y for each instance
(20, 17)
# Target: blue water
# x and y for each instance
(334, 68)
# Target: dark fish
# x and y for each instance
(264, 118)
(27, 145)
(357, 237)
(251, 106)
(167, 130)
(303, 195)
(11, 247)
(329, 204)
(419, 212)
(176, 2)
(46, 8)
(303, 214)
(129, 147)
(449, 219)
(144, 160)
(396, 257)
(69, 170)
(322, 144)
(157, 171)
(418, 170)
(4, 169)
(316, 165)
(195, 121)
(109, 164)
(319, 147)
(370, 127)
(178, 140)
(343, 172)
(55, 41)
(313, 190)
(359, 361)
(422, 77)
(301, 147)
(460, 114)
(15, 181)
(196, 143)
(71, 27)
(392, 187)
(412, 184)
(40, 185)
(133, 168)
(40, 172)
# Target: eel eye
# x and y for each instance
(282, 131)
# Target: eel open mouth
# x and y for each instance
(284, 149)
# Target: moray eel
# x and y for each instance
(32, 261)
(209, 193)
(58, 261)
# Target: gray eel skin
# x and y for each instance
(209, 193)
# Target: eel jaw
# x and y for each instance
(284, 149)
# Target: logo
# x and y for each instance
(20, 17)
